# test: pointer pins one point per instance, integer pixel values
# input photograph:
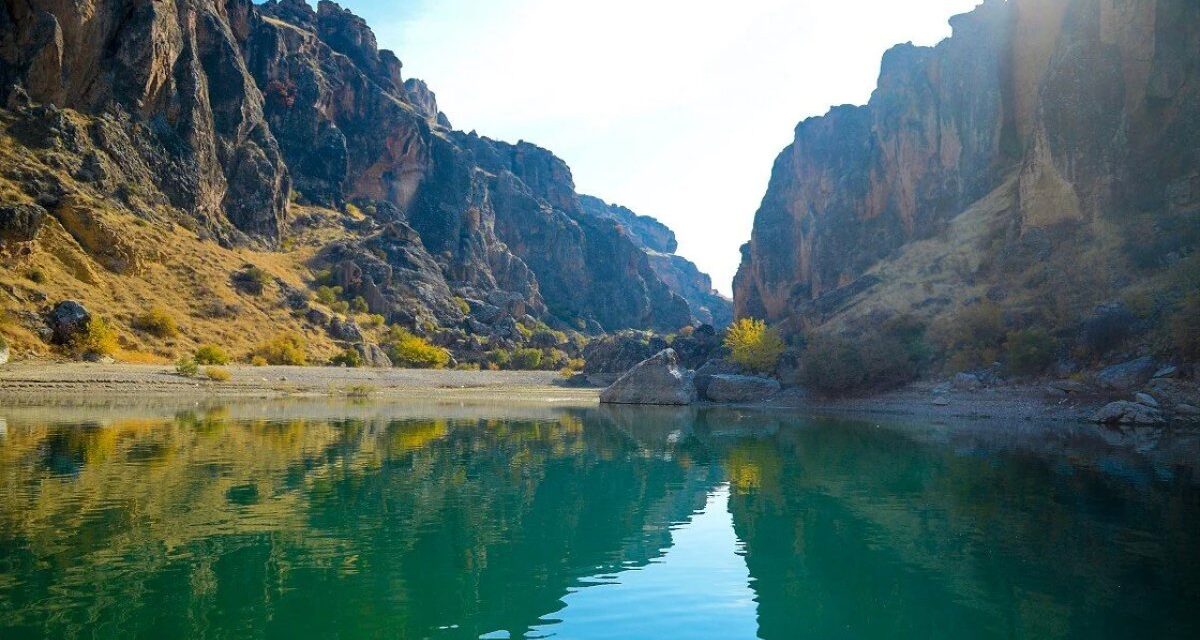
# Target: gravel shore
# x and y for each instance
(29, 380)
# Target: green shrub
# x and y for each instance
(98, 338)
(252, 279)
(217, 374)
(526, 359)
(359, 305)
(753, 345)
(837, 365)
(412, 351)
(284, 349)
(554, 359)
(832, 365)
(462, 304)
(360, 390)
(158, 323)
(327, 295)
(1185, 328)
(972, 338)
(348, 358)
(211, 354)
(1030, 351)
(375, 320)
(340, 307)
(186, 367)
(37, 276)
(499, 358)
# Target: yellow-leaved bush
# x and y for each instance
(409, 350)
(754, 345)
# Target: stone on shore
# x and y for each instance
(1127, 375)
(656, 380)
(736, 388)
(1123, 412)
(373, 356)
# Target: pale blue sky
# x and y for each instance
(674, 108)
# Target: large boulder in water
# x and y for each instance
(657, 380)
(68, 320)
(735, 388)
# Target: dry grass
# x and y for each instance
(178, 271)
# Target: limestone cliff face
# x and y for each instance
(678, 273)
(175, 68)
(228, 112)
(1086, 109)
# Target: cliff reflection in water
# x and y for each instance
(452, 521)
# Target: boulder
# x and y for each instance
(967, 381)
(1146, 399)
(68, 320)
(656, 380)
(1169, 371)
(715, 367)
(373, 356)
(1123, 412)
(345, 329)
(1127, 375)
(734, 388)
(318, 317)
(20, 223)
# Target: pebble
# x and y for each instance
(1167, 372)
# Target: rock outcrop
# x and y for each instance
(678, 273)
(1044, 151)
(658, 380)
(176, 71)
(68, 320)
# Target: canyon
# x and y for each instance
(154, 150)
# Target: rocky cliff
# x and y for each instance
(679, 274)
(285, 128)
(1045, 158)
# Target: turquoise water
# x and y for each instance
(306, 519)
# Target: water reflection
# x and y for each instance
(310, 519)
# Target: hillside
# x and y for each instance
(155, 153)
(1035, 175)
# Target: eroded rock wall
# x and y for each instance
(1091, 105)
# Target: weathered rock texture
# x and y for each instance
(1059, 125)
(678, 273)
(227, 118)
(659, 380)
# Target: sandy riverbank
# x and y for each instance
(31, 380)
